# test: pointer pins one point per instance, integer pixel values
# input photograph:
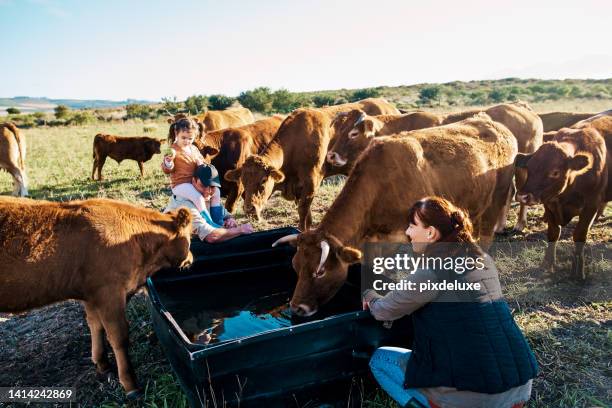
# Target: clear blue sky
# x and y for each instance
(151, 49)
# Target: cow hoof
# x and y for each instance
(106, 375)
(134, 395)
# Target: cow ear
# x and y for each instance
(549, 136)
(349, 255)
(277, 175)
(233, 175)
(170, 121)
(182, 219)
(521, 160)
(209, 150)
(581, 163)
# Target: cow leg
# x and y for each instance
(19, 181)
(141, 167)
(585, 220)
(95, 166)
(115, 324)
(500, 225)
(522, 218)
(520, 178)
(101, 161)
(98, 349)
(553, 234)
(233, 192)
(305, 216)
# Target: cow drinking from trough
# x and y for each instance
(470, 163)
(119, 148)
(572, 176)
(96, 251)
(13, 155)
(293, 162)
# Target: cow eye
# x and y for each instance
(353, 134)
(555, 174)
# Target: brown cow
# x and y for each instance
(231, 147)
(354, 131)
(96, 251)
(572, 176)
(233, 117)
(293, 161)
(118, 148)
(13, 155)
(557, 120)
(469, 163)
(526, 126)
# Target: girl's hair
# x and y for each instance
(183, 123)
(452, 222)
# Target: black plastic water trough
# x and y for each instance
(225, 328)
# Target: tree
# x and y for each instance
(429, 94)
(137, 111)
(323, 100)
(364, 93)
(498, 95)
(220, 102)
(13, 111)
(196, 104)
(284, 101)
(171, 106)
(258, 99)
(61, 111)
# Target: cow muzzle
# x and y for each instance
(527, 199)
(335, 159)
(302, 310)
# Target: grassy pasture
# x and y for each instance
(568, 326)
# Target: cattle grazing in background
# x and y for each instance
(572, 176)
(118, 148)
(293, 162)
(229, 148)
(469, 163)
(553, 121)
(13, 156)
(96, 251)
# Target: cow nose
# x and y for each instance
(188, 261)
(302, 310)
(525, 198)
(331, 157)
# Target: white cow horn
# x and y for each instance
(324, 254)
(360, 119)
(287, 238)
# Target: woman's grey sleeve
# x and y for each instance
(399, 303)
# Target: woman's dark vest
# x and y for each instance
(470, 345)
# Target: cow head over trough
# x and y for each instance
(353, 131)
(175, 252)
(321, 263)
(550, 170)
(258, 176)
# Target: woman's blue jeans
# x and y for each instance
(388, 364)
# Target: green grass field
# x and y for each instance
(568, 323)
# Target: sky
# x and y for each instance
(152, 49)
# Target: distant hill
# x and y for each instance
(28, 104)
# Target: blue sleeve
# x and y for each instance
(210, 219)
(219, 214)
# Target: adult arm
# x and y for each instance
(223, 234)
(399, 303)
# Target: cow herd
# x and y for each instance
(479, 159)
